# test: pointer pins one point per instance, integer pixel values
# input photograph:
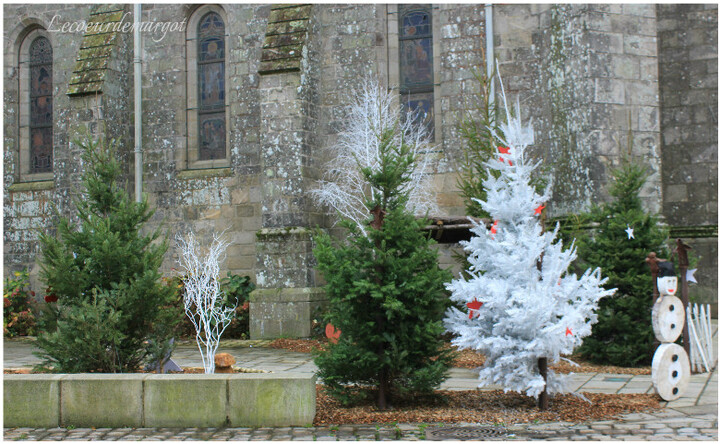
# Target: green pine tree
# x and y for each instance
(386, 295)
(623, 335)
(112, 311)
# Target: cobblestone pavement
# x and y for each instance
(666, 425)
(692, 417)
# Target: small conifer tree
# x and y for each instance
(112, 310)
(521, 308)
(623, 335)
(385, 292)
(479, 148)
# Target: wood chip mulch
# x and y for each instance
(471, 359)
(297, 345)
(489, 407)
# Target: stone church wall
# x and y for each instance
(687, 40)
(598, 81)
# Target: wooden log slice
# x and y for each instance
(668, 318)
(670, 371)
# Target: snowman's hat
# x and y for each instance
(667, 269)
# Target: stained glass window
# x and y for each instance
(41, 106)
(416, 61)
(211, 87)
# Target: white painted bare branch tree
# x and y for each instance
(373, 113)
(203, 299)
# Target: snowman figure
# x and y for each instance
(670, 365)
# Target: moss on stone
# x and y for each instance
(289, 14)
(274, 41)
(205, 173)
(32, 186)
(286, 27)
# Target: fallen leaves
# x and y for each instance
(482, 407)
(298, 345)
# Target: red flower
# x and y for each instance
(7, 302)
(245, 306)
(52, 297)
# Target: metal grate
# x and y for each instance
(460, 433)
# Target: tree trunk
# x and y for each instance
(543, 399)
(383, 389)
(383, 377)
(542, 362)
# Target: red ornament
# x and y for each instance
(332, 333)
(473, 306)
(52, 297)
(505, 150)
(568, 331)
(493, 229)
(539, 209)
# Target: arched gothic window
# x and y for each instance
(41, 105)
(416, 61)
(207, 77)
(211, 87)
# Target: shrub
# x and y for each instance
(18, 317)
(237, 291)
(236, 288)
(112, 311)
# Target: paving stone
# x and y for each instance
(642, 432)
(687, 430)
(700, 424)
(626, 426)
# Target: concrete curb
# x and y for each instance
(150, 400)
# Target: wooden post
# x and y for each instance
(683, 262)
(543, 399)
(652, 262)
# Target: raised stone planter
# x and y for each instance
(150, 400)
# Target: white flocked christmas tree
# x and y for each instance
(522, 304)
